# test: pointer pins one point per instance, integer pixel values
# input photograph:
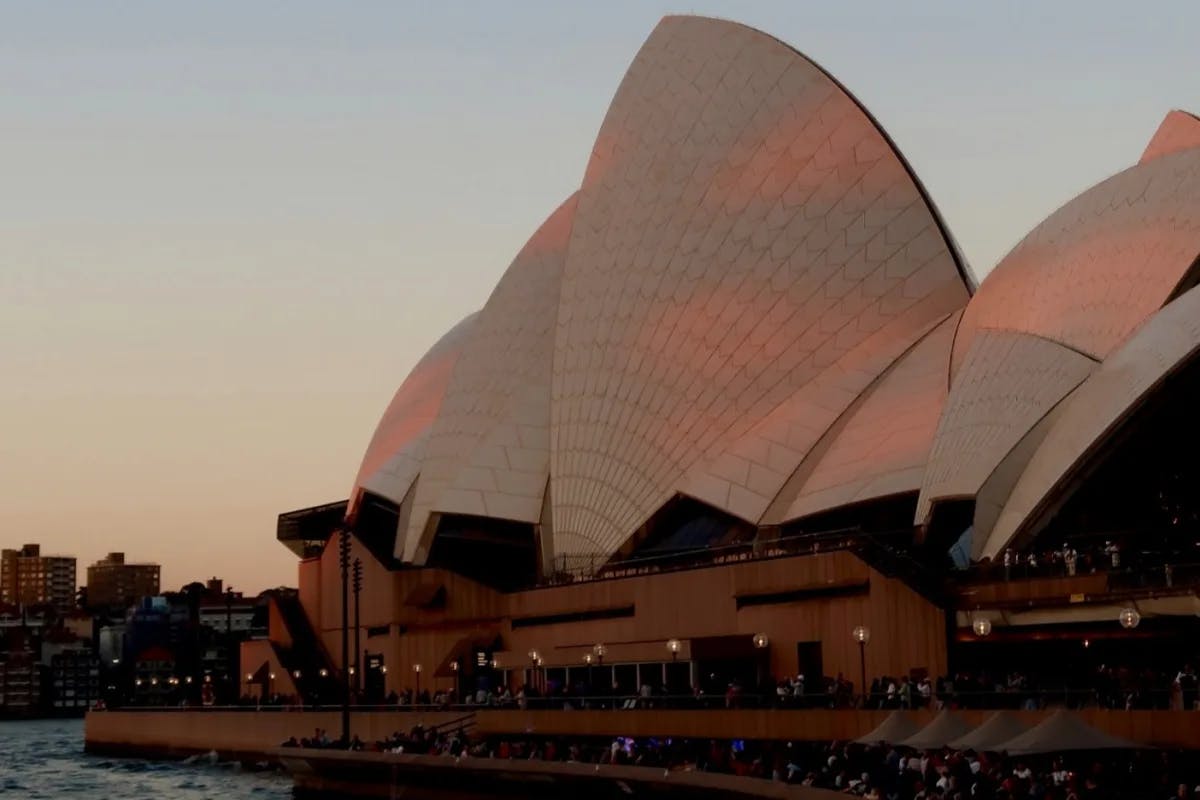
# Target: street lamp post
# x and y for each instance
(357, 572)
(761, 643)
(344, 563)
(229, 665)
(534, 660)
(862, 635)
(601, 651)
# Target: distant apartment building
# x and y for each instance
(74, 681)
(14, 617)
(112, 582)
(154, 680)
(20, 686)
(73, 673)
(223, 611)
(20, 675)
(28, 578)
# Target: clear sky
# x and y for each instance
(227, 229)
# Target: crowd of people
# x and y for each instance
(1149, 568)
(882, 772)
(1109, 686)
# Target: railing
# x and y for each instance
(586, 567)
(1028, 699)
(888, 552)
(1164, 576)
(1148, 576)
(464, 723)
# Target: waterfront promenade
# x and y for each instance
(253, 734)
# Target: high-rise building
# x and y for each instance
(20, 675)
(29, 578)
(73, 671)
(112, 582)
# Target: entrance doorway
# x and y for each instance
(373, 678)
(811, 664)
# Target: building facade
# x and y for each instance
(74, 680)
(112, 583)
(72, 673)
(29, 578)
(20, 675)
(740, 404)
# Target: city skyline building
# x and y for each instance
(29, 578)
(113, 582)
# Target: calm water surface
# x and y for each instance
(44, 759)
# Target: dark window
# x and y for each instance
(578, 616)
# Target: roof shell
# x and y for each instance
(1063, 300)
(880, 446)
(743, 227)
(1168, 341)
(393, 457)
(1096, 268)
(489, 448)
(1179, 130)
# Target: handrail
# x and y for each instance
(463, 722)
(995, 699)
(694, 558)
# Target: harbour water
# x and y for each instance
(44, 760)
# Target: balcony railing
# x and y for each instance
(880, 547)
(1024, 699)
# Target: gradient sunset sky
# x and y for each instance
(227, 230)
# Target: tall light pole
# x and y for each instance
(862, 635)
(344, 563)
(229, 665)
(601, 651)
(357, 591)
(587, 659)
(761, 642)
(534, 660)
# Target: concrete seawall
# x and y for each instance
(254, 736)
(323, 773)
(249, 734)
(243, 735)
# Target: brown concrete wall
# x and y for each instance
(181, 733)
(186, 732)
(906, 631)
(1026, 592)
(256, 653)
(310, 583)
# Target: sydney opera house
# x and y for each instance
(740, 408)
